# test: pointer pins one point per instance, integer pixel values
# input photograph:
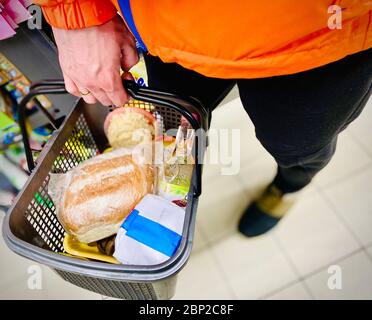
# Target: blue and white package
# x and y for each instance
(151, 233)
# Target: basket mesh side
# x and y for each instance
(41, 212)
(80, 147)
(116, 289)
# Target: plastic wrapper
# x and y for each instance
(174, 175)
(151, 234)
(95, 197)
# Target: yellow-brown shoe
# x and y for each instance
(264, 213)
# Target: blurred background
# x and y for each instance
(330, 225)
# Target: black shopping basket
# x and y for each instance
(31, 228)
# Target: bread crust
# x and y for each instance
(129, 126)
(100, 193)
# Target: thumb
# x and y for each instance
(129, 56)
(127, 76)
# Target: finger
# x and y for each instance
(129, 56)
(71, 86)
(102, 97)
(127, 76)
(77, 90)
(88, 97)
(117, 95)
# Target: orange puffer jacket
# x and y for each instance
(232, 39)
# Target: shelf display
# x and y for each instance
(14, 85)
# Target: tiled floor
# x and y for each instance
(330, 225)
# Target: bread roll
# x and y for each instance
(129, 126)
(99, 194)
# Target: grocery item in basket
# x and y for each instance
(107, 150)
(151, 234)
(93, 198)
(176, 182)
(179, 149)
(86, 250)
(174, 174)
(107, 245)
(129, 126)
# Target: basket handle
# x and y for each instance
(135, 91)
(45, 87)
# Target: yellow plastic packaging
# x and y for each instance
(86, 250)
(108, 150)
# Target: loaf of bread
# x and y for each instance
(94, 198)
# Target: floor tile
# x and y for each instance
(202, 279)
(257, 174)
(233, 116)
(20, 278)
(56, 288)
(369, 251)
(19, 290)
(226, 118)
(296, 291)
(356, 279)
(13, 268)
(313, 236)
(220, 206)
(211, 172)
(231, 113)
(253, 267)
(353, 201)
(251, 148)
(232, 95)
(214, 162)
(349, 157)
(220, 165)
(200, 241)
(220, 161)
(17, 272)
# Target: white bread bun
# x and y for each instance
(129, 126)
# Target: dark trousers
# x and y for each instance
(297, 117)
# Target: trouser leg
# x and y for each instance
(298, 117)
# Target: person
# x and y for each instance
(303, 70)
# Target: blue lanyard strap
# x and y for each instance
(127, 14)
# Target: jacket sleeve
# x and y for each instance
(77, 14)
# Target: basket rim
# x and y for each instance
(103, 270)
